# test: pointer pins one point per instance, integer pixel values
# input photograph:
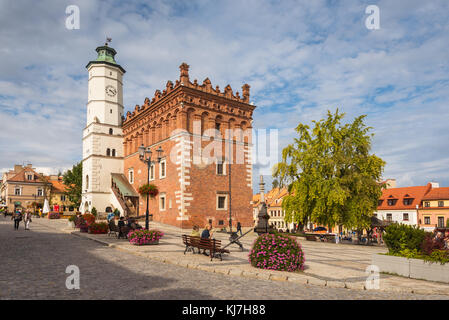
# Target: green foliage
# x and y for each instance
(73, 179)
(400, 237)
(72, 218)
(116, 212)
(439, 256)
(94, 212)
(277, 252)
(330, 173)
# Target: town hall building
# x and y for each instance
(200, 143)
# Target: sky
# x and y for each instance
(301, 58)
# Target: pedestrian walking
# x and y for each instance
(239, 227)
(17, 217)
(27, 219)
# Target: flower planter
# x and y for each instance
(148, 243)
(412, 268)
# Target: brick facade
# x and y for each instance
(197, 126)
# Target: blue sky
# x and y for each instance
(301, 58)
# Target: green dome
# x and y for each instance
(106, 55)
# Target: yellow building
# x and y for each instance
(434, 211)
(59, 200)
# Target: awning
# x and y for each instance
(123, 185)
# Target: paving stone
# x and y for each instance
(335, 284)
(316, 282)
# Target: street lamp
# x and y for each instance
(145, 156)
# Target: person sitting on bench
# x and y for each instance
(207, 234)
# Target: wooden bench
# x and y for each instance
(311, 237)
(114, 229)
(213, 245)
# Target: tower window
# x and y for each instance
(110, 111)
(110, 129)
(113, 152)
(87, 182)
(131, 176)
(108, 152)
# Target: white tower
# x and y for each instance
(102, 136)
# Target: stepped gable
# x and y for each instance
(176, 94)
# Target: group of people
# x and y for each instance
(124, 226)
(19, 216)
(443, 237)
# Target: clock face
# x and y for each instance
(111, 91)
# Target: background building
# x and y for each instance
(434, 211)
(23, 186)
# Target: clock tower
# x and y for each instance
(102, 136)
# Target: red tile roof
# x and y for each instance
(437, 194)
(416, 193)
(58, 185)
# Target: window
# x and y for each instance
(110, 130)
(392, 202)
(405, 217)
(408, 202)
(220, 222)
(108, 152)
(441, 222)
(87, 182)
(441, 203)
(131, 176)
(162, 201)
(426, 220)
(29, 176)
(162, 173)
(63, 198)
(220, 169)
(389, 217)
(113, 152)
(152, 172)
(17, 191)
(221, 202)
(427, 204)
(379, 203)
(40, 192)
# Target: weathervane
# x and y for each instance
(108, 40)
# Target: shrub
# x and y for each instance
(143, 236)
(54, 215)
(437, 255)
(89, 218)
(399, 237)
(72, 218)
(94, 212)
(98, 228)
(430, 244)
(277, 252)
(79, 221)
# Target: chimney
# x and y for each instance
(262, 189)
(434, 184)
(390, 183)
(17, 167)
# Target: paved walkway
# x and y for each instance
(33, 265)
(327, 264)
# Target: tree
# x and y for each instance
(275, 183)
(332, 178)
(73, 180)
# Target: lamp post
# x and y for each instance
(145, 156)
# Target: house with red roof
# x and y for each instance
(402, 205)
(434, 211)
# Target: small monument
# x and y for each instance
(263, 217)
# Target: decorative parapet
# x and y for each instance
(206, 87)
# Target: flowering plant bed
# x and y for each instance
(143, 236)
(89, 218)
(53, 215)
(98, 228)
(277, 252)
(149, 189)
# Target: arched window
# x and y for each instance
(113, 152)
(110, 131)
(108, 152)
(87, 181)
